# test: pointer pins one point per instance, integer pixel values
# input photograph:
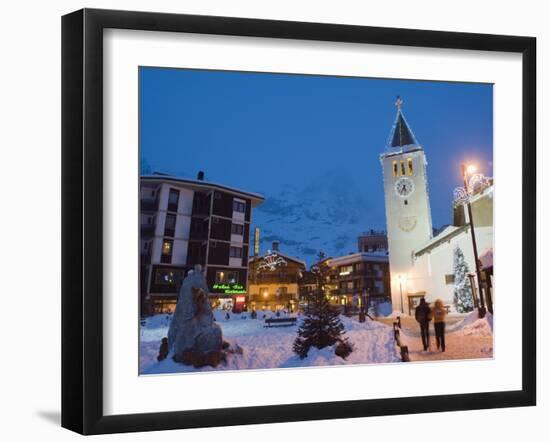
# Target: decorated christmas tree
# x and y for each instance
(322, 326)
(463, 299)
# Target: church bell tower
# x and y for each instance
(408, 215)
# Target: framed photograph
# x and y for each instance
(268, 221)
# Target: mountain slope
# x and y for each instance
(326, 214)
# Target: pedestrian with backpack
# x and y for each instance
(423, 315)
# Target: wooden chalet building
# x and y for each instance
(273, 281)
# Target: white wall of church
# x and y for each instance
(429, 270)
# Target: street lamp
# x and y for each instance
(401, 279)
(465, 171)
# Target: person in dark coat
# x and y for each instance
(423, 315)
(163, 350)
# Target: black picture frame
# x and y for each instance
(82, 215)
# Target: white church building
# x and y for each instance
(421, 263)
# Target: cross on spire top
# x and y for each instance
(401, 137)
(398, 102)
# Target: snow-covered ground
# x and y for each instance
(264, 348)
(470, 338)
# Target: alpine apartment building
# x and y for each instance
(185, 222)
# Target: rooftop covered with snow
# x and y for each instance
(378, 256)
(197, 184)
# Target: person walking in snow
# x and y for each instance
(163, 351)
(423, 315)
(439, 314)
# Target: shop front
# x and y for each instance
(229, 296)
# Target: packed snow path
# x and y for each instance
(468, 338)
(264, 348)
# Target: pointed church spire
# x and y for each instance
(401, 136)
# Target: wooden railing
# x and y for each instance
(404, 350)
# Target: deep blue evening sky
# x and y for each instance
(259, 131)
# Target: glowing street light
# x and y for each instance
(402, 279)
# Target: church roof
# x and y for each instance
(401, 136)
(442, 238)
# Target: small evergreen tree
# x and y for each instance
(463, 299)
(322, 326)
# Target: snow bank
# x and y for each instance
(473, 318)
(264, 348)
(481, 327)
(486, 258)
(384, 309)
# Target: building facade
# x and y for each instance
(373, 241)
(274, 281)
(358, 278)
(350, 280)
(184, 223)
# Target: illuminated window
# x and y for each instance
(167, 247)
(346, 270)
(395, 168)
(410, 166)
(168, 276)
(227, 277)
(402, 167)
(166, 256)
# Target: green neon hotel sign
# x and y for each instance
(229, 289)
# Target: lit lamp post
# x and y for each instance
(364, 308)
(401, 280)
(470, 169)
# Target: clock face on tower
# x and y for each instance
(404, 187)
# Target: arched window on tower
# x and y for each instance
(410, 166)
(395, 168)
(402, 167)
